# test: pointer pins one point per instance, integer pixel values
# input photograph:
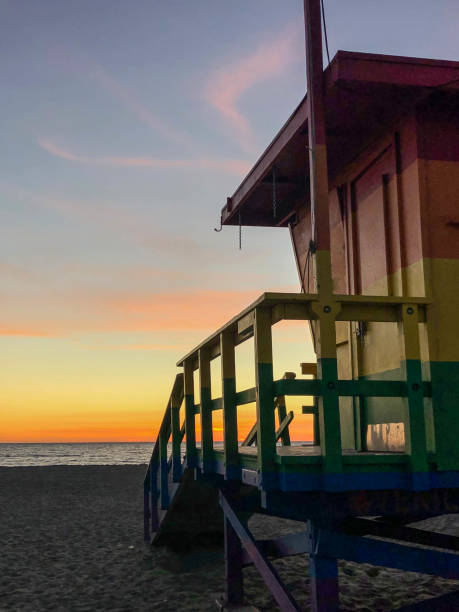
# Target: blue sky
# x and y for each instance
(125, 125)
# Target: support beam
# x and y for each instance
(317, 149)
(265, 568)
(233, 566)
(415, 428)
(266, 439)
(231, 451)
(188, 382)
(206, 411)
(176, 439)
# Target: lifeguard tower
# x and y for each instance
(375, 234)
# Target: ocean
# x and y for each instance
(82, 453)
(90, 453)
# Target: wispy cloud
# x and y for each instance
(233, 166)
(74, 60)
(28, 332)
(130, 100)
(88, 311)
(229, 83)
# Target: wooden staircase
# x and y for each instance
(201, 495)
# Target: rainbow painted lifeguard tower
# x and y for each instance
(375, 234)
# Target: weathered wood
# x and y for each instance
(233, 566)
(190, 433)
(229, 406)
(205, 411)
(266, 569)
(415, 428)
(265, 398)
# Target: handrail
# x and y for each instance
(256, 321)
(370, 308)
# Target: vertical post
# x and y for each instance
(233, 566)
(281, 415)
(154, 497)
(328, 401)
(206, 411)
(163, 471)
(317, 148)
(324, 583)
(266, 427)
(146, 507)
(231, 451)
(415, 427)
(188, 390)
(176, 438)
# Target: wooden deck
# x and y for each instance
(308, 450)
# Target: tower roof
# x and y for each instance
(364, 95)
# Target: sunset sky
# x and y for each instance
(125, 125)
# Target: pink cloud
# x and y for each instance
(229, 83)
(87, 311)
(29, 332)
(232, 166)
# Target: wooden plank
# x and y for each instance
(233, 566)
(247, 396)
(309, 369)
(265, 568)
(216, 403)
(415, 427)
(361, 526)
(282, 432)
(388, 554)
(231, 453)
(328, 398)
(164, 472)
(191, 455)
(296, 387)
(265, 398)
(176, 439)
(206, 411)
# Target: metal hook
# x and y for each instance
(221, 227)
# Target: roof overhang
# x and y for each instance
(364, 94)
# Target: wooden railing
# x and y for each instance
(256, 321)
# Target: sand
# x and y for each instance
(71, 539)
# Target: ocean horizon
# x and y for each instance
(24, 454)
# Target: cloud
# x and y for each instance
(229, 83)
(28, 332)
(88, 311)
(122, 93)
(232, 166)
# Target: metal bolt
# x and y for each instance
(331, 385)
(327, 309)
(410, 310)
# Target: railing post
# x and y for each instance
(266, 434)
(188, 390)
(323, 571)
(163, 471)
(206, 412)
(146, 508)
(231, 451)
(415, 427)
(328, 401)
(154, 497)
(176, 438)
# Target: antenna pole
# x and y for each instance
(317, 149)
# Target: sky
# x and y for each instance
(125, 125)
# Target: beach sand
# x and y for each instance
(71, 539)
